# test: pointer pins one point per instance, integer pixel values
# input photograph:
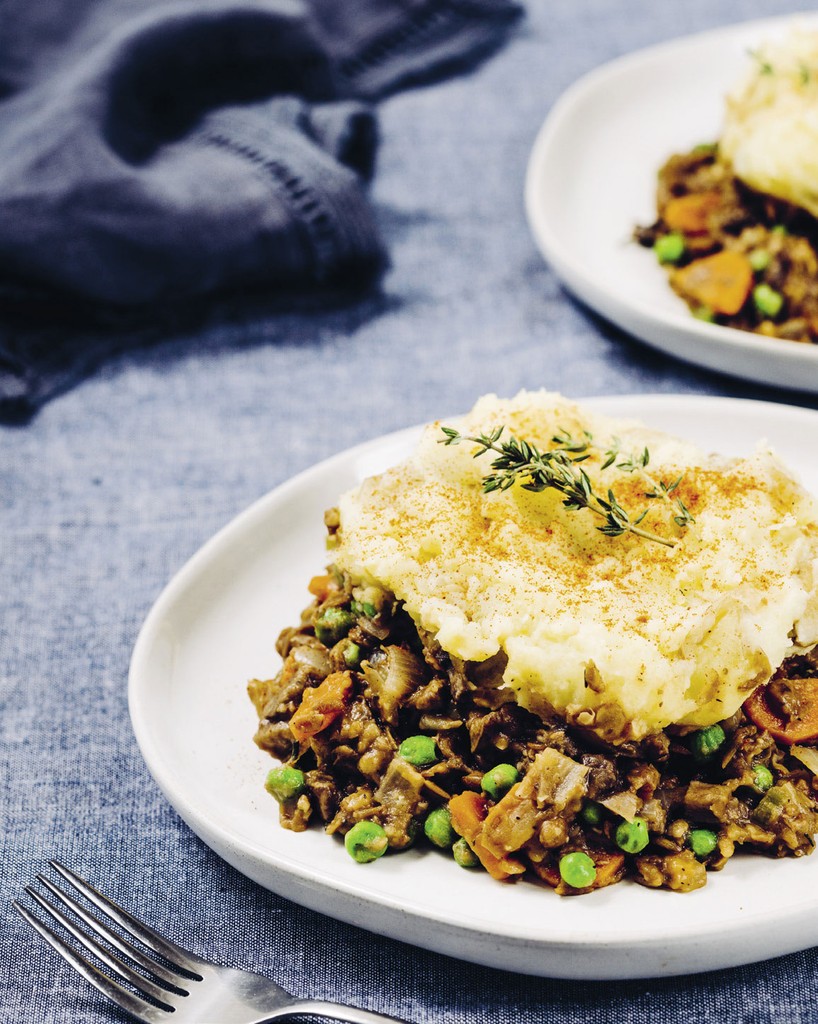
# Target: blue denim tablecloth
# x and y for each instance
(116, 483)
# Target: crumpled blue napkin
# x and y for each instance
(155, 152)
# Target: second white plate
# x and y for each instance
(215, 626)
(592, 178)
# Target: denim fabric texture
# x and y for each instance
(116, 482)
(177, 151)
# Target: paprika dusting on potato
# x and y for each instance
(667, 607)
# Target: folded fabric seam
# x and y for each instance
(306, 203)
(340, 239)
(433, 23)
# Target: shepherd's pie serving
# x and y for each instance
(736, 223)
(555, 642)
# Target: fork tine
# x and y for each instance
(175, 955)
(159, 972)
(142, 984)
(144, 1011)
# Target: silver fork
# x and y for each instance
(182, 986)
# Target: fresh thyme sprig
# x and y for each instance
(559, 468)
(764, 66)
(630, 463)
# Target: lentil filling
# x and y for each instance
(736, 257)
(386, 740)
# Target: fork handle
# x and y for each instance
(335, 1011)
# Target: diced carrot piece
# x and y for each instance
(322, 586)
(468, 811)
(690, 214)
(321, 705)
(500, 868)
(721, 282)
(761, 711)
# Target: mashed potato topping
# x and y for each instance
(621, 635)
(770, 132)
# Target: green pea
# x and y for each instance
(577, 870)
(365, 608)
(498, 780)
(438, 828)
(592, 813)
(366, 841)
(352, 655)
(669, 248)
(762, 778)
(704, 313)
(702, 841)
(767, 300)
(419, 751)
(706, 742)
(759, 260)
(333, 624)
(464, 855)
(779, 229)
(285, 783)
(632, 836)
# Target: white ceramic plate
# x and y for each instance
(592, 178)
(214, 627)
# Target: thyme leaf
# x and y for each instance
(764, 66)
(559, 468)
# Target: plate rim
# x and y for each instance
(468, 928)
(637, 317)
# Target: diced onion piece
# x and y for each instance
(807, 756)
(313, 658)
(392, 678)
(625, 804)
